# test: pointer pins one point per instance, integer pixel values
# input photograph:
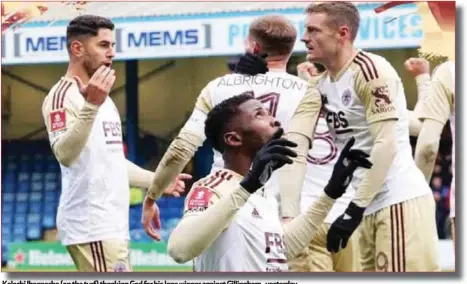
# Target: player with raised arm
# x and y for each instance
(237, 221)
(279, 91)
(85, 135)
(439, 107)
(363, 97)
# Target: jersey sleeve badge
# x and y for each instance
(199, 199)
(57, 120)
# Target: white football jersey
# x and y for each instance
(320, 164)
(254, 240)
(452, 119)
(94, 202)
(440, 106)
(279, 91)
(370, 90)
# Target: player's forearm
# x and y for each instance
(69, 146)
(423, 86)
(415, 125)
(291, 177)
(382, 156)
(194, 234)
(139, 177)
(427, 146)
(179, 153)
(300, 231)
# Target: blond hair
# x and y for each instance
(274, 33)
(339, 14)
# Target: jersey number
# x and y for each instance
(271, 101)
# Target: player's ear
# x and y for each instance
(232, 139)
(77, 48)
(344, 32)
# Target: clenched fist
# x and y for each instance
(417, 66)
(306, 70)
(99, 86)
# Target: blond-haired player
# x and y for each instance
(321, 160)
(85, 134)
(279, 91)
(438, 108)
(363, 97)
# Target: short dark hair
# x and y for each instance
(340, 13)
(86, 26)
(220, 116)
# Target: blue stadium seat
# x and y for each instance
(8, 197)
(33, 218)
(50, 186)
(23, 176)
(23, 187)
(9, 177)
(7, 208)
(37, 186)
(51, 176)
(19, 236)
(37, 177)
(21, 207)
(163, 202)
(7, 218)
(33, 232)
(12, 166)
(8, 187)
(7, 236)
(19, 219)
(51, 210)
(35, 196)
(48, 221)
(22, 197)
(35, 207)
(50, 197)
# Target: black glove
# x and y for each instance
(271, 157)
(342, 174)
(252, 64)
(341, 230)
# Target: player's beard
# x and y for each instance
(255, 142)
(89, 67)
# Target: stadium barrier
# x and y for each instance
(52, 256)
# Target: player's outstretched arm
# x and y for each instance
(203, 222)
(434, 113)
(68, 141)
(419, 68)
(301, 230)
(182, 149)
(301, 132)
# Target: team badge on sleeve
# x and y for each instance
(199, 199)
(57, 120)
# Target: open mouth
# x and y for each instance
(108, 64)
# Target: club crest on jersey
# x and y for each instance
(199, 199)
(120, 266)
(346, 97)
(57, 120)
